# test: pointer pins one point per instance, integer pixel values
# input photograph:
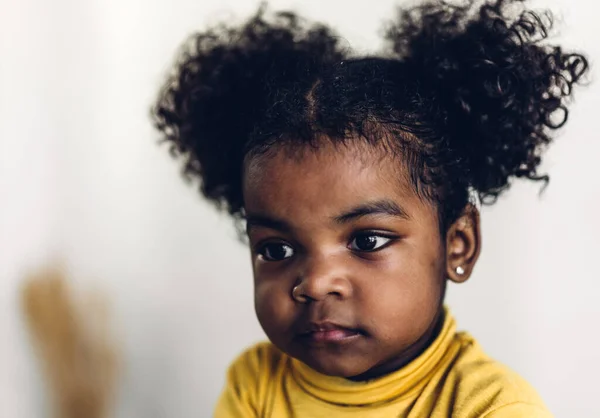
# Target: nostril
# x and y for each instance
(322, 277)
(299, 295)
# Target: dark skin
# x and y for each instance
(349, 264)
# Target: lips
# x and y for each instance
(328, 332)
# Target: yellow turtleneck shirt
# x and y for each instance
(453, 378)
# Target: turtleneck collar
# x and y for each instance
(394, 386)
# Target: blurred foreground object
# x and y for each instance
(74, 343)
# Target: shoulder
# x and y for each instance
(487, 388)
(260, 360)
(248, 380)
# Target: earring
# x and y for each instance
(460, 271)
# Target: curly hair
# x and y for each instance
(467, 94)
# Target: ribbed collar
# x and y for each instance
(395, 386)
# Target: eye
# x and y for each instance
(369, 242)
(276, 251)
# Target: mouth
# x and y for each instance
(327, 333)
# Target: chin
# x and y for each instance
(336, 368)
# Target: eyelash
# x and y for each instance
(373, 234)
(262, 248)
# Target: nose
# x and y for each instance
(321, 277)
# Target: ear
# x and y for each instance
(463, 244)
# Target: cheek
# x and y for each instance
(273, 304)
(403, 293)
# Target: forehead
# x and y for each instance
(324, 179)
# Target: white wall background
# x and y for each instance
(81, 177)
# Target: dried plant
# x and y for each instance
(74, 343)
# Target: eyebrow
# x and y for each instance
(266, 222)
(378, 207)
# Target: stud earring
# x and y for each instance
(460, 271)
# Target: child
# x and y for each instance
(357, 179)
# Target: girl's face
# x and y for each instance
(349, 265)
